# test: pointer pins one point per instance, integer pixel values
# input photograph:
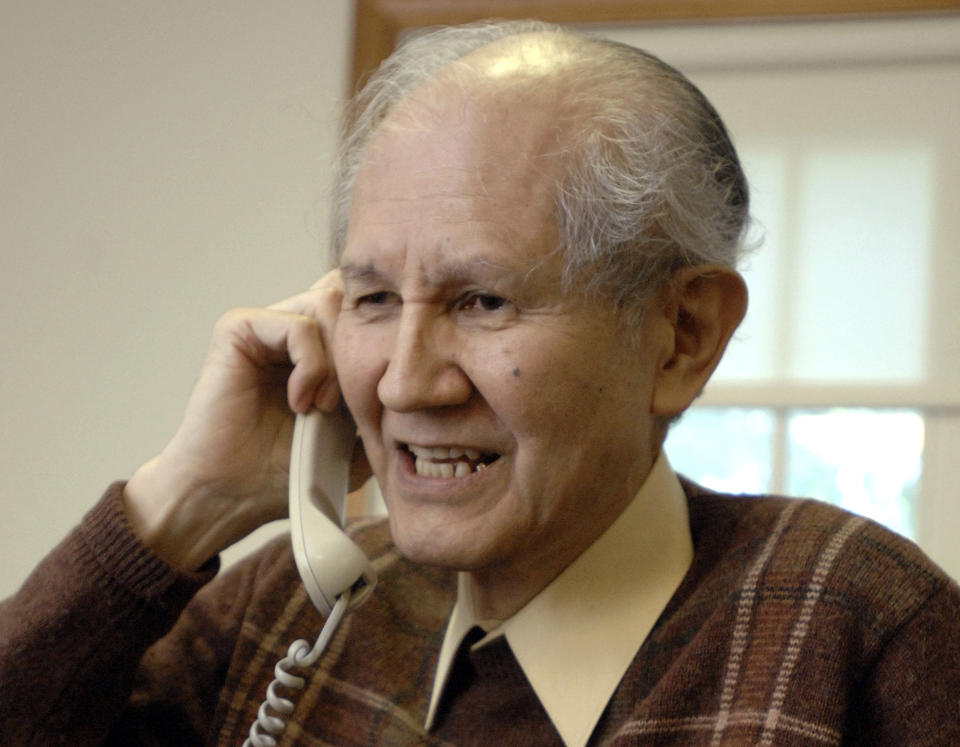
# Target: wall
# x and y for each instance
(159, 164)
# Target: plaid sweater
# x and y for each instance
(796, 624)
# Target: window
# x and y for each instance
(865, 460)
(841, 382)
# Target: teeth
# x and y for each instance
(439, 461)
(446, 470)
(442, 452)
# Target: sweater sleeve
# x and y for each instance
(72, 637)
(911, 695)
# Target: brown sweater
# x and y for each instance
(796, 624)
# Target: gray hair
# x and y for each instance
(652, 182)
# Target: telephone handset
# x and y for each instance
(335, 572)
(329, 562)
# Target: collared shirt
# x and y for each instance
(598, 611)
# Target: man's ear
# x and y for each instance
(697, 313)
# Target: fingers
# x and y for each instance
(300, 328)
(321, 301)
(309, 385)
(266, 337)
(296, 331)
(313, 381)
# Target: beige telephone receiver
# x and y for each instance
(329, 562)
(335, 572)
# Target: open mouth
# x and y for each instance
(448, 462)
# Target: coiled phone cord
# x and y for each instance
(298, 655)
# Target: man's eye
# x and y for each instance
(380, 297)
(484, 302)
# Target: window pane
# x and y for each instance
(724, 448)
(867, 461)
(861, 283)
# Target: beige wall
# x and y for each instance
(160, 162)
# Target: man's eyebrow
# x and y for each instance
(462, 272)
(452, 272)
(360, 274)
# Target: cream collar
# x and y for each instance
(577, 637)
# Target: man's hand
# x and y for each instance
(224, 473)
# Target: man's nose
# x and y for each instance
(423, 369)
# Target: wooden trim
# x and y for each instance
(378, 24)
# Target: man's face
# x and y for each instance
(506, 422)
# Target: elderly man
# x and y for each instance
(537, 235)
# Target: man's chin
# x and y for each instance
(441, 549)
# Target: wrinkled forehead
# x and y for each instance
(455, 159)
